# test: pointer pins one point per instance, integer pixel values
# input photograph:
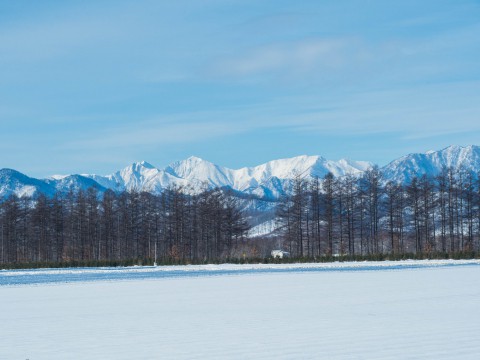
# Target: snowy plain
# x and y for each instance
(364, 310)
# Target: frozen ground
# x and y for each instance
(406, 310)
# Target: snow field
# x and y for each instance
(410, 313)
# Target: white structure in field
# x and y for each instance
(280, 254)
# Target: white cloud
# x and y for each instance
(298, 57)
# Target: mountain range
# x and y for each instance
(267, 181)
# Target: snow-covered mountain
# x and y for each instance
(267, 181)
(431, 163)
(140, 176)
(14, 182)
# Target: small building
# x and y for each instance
(280, 254)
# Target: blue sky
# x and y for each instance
(91, 86)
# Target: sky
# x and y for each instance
(92, 86)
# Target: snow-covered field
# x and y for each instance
(386, 310)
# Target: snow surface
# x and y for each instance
(401, 310)
(265, 228)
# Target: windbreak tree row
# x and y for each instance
(86, 226)
(366, 215)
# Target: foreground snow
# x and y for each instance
(399, 310)
(43, 276)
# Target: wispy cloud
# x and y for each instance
(295, 57)
(354, 59)
(155, 134)
(410, 113)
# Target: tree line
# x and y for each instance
(366, 215)
(345, 216)
(83, 226)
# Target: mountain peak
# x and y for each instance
(431, 163)
(194, 158)
(186, 163)
(145, 164)
(459, 148)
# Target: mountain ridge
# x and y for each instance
(269, 180)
